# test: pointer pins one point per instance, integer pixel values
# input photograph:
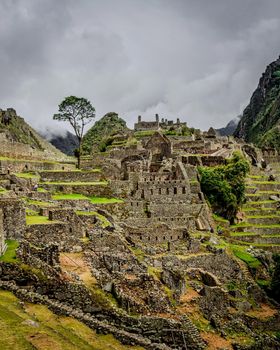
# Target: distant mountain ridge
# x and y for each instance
(66, 143)
(260, 122)
(230, 128)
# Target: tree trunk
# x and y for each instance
(79, 153)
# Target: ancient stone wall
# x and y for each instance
(61, 234)
(101, 190)
(13, 218)
(2, 235)
(71, 176)
(19, 165)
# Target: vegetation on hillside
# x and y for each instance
(26, 326)
(224, 185)
(261, 119)
(100, 135)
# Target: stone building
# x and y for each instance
(158, 124)
(163, 197)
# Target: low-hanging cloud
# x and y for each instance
(195, 59)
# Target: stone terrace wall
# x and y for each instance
(61, 234)
(18, 166)
(87, 190)
(14, 218)
(68, 176)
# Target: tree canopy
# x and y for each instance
(79, 112)
(224, 186)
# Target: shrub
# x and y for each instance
(224, 186)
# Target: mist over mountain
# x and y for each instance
(230, 127)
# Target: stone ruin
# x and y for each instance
(158, 124)
(163, 215)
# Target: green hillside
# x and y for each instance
(109, 125)
(260, 122)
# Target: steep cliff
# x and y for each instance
(260, 122)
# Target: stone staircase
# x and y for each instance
(261, 225)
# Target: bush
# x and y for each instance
(224, 186)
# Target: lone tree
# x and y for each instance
(79, 112)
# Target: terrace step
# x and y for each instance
(258, 229)
(253, 238)
(252, 203)
(260, 212)
(274, 248)
(261, 196)
(265, 185)
(263, 220)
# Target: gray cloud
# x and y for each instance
(196, 59)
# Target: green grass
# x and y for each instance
(241, 234)
(220, 219)
(70, 196)
(105, 222)
(41, 190)
(104, 200)
(50, 331)
(10, 254)
(261, 202)
(266, 182)
(246, 257)
(256, 209)
(27, 175)
(245, 224)
(30, 212)
(93, 199)
(39, 220)
(39, 203)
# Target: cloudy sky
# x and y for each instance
(199, 60)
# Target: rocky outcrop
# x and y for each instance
(261, 118)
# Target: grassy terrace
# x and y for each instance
(263, 216)
(39, 203)
(28, 160)
(102, 218)
(34, 326)
(10, 254)
(94, 200)
(262, 202)
(39, 220)
(240, 252)
(245, 224)
(75, 183)
(241, 234)
(265, 182)
(73, 171)
(27, 175)
(261, 192)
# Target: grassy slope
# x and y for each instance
(28, 326)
